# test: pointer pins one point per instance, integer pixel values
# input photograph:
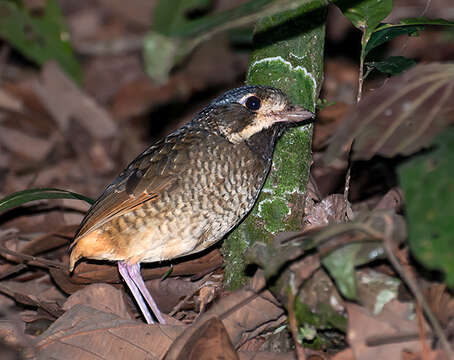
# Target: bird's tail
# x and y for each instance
(93, 245)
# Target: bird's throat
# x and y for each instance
(262, 143)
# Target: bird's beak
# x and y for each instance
(295, 113)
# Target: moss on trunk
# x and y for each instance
(289, 55)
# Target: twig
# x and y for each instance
(292, 319)
(380, 340)
(422, 332)
(12, 270)
(32, 260)
(358, 99)
(361, 67)
(4, 54)
(187, 297)
(112, 47)
(413, 286)
(348, 178)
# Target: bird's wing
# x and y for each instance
(156, 169)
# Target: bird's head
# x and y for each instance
(241, 113)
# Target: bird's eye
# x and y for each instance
(253, 103)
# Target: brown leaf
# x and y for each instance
(103, 297)
(247, 313)
(393, 200)
(54, 239)
(346, 354)
(331, 210)
(247, 355)
(441, 303)
(87, 333)
(30, 293)
(168, 293)
(401, 117)
(432, 355)
(137, 12)
(33, 117)
(25, 145)
(10, 102)
(208, 340)
(65, 101)
(12, 332)
(393, 321)
(328, 120)
(87, 273)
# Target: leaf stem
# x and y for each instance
(413, 286)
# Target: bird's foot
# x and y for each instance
(133, 278)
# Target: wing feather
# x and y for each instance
(158, 168)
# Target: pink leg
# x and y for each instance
(124, 272)
(134, 273)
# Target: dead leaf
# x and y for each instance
(341, 80)
(328, 120)
(54, 239)
(84, 332)
(432, 355)
(138, 12)
(401, 117)
(103, 297)
(12, 333)
(393, 200)
(65, 101)
(208, 340)
(394, 320)
(247, 313)
(375, 289)
(263, 355)
(30, 147)
(346, 354)
(30, 293)
(87, 273)
(441, 303)
(168, 293)
(10, 102)
(87, 333)
(331, 210)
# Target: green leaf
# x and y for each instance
(161, 53)
(417, 21)
(380, 37)
(39, 38)
(166, 46)
(366, 15)
(428, 184)
(393, 65)
(244, 13)
(241, 36)
(25, 196)
(341, 264)
(170, 16)
(410, 26)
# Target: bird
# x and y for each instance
(188, 190)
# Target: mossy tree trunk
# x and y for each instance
(289, 55)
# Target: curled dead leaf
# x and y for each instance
(401, 117)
